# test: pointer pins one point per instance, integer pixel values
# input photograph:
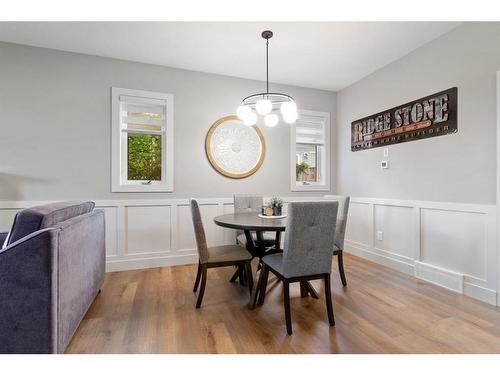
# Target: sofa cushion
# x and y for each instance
(35, 218)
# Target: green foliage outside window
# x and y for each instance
(301, 169)
(144, 157)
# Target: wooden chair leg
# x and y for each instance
(340, 259)
(264, 275)
(241, 274)
(234, 277)
(202, 286)
(249, 276)
(328, 299)
(286, 301)
(198, 276)
(303, 289)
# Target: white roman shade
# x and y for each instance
(310, 130)
(142, 115)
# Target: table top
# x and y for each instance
(250, 221)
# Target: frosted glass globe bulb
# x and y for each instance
(250, 119)
(243, 111)
(263, 106)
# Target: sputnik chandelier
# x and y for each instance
(267, 103)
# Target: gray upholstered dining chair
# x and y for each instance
(338, 242)
(251, 203)
(307, 254)
(217, 256)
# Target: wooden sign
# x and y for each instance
(423, 118)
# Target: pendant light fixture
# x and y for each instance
(266, 103)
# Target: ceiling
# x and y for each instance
(323, 55)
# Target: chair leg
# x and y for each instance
(303, 289)
(241, 274)
(264, 275)
(328, 298)
(340, 259)
(234, 277)
(202, 286)
(249, 276)
(286, 301)
(198, 276)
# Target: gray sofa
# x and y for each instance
(51, 269)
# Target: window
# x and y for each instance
(310, 152)
(142, 141)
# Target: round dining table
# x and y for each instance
(250, 222)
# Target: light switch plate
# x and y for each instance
(386, 152)
(380, 235)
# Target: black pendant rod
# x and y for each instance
(267, 66)
(268, 34)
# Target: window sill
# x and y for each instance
(310, 188)
(142, 189)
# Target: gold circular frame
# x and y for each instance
(216, 166)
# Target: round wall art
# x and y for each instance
(234, 149)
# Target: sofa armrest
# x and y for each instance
(82, 262)
(3, 236)
(28, 294)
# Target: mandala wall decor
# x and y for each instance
(234, 149)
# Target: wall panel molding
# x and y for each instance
(428, 240)
(449, 244)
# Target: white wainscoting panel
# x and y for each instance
(396, 225)
(148, 229)
(454, 240)
(359, 229)
(111, 231)
(449, 244)
(7, 218)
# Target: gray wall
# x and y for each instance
(55, 126)
(459, 167)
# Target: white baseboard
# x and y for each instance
(113, 265)
(440, 276)
(480, 293)
(384, 260)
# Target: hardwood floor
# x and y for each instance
(380, 311)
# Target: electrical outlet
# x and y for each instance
(380, 235)
(386, 152)
(384, 164)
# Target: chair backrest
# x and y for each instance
(309, 238)
(247, 203)
(341, 222)
(199, 232)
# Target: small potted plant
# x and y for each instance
(277, 205)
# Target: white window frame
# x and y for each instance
(118, 156)
(311, 186)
